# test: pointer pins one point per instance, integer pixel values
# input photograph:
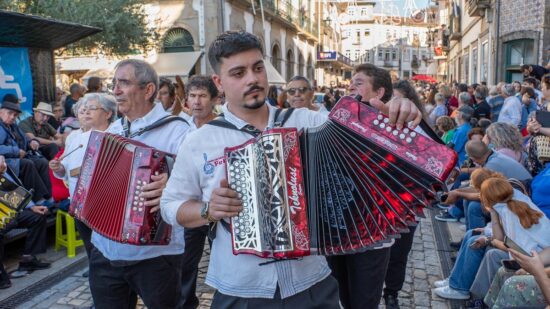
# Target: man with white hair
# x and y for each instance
(511, 109)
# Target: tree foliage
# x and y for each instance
(124, 23)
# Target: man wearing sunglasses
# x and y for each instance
(299, 93)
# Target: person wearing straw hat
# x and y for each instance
(32, 170)
(37, 127)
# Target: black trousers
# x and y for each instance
(85, 234)
(49, 151)
(323, 295)
(395, 275)
(35, 242)
(194, 246)
(360, 277)
(34, 175)
(156, 280)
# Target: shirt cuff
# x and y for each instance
(169, 212)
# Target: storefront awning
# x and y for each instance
(172, 64)
(273, 77)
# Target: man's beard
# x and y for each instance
(256, 104)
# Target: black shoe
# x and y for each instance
(391, 302)
(476, 304)
(455, 244)
(33, 264)
(5, 282)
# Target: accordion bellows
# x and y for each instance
(106, 198)
(344, 187)
(13, 198)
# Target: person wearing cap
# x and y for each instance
(462, 118)
(14, 144)
(37, 127)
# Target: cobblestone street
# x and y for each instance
(423, 269)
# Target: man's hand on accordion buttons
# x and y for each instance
(224, 202)
(153, 190)
(401, 111)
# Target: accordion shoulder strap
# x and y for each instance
(281, 116)
(159, 123)
(430, 132)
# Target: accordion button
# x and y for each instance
(134, 208)
(382, 125)
(140, 204)
(135, 203)
(395, 132)
(408, 140)
(388, 129)
(141, 209)
(413, 134)
(376, 122)
(141, 199)
(380, 117)
(401, 136)
(386, 120)
(406, 130)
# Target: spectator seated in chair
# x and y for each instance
(15, 147)
(32, 217)
(37, 127)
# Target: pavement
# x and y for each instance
(71, 290)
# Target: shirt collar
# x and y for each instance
(155, 114)
(239, 123)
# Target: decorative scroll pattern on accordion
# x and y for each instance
(267, 173)
(106, 197)
(364, 184)
(13, 198)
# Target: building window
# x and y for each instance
(351, 10)
(348, 53)
(380, 55)
(474, 66)
(356, 54)
(367, 33)
(364, 12)
(466, 67)
(177, 40)
(393, 55)
(517, 53)
(484, 61)
(387, 55)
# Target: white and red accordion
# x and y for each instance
(344, 187)
(107, 194)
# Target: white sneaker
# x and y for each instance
(441, 283)
(450, 293)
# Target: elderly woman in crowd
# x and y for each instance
(505, 138)
(96, 111)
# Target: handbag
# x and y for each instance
(543, 147)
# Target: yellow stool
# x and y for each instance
(69, 239)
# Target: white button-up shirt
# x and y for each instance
(74, 159)
(166, 138)
(198, 171)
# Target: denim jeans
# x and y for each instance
(467, 264)
(474, 215)
(457, 210)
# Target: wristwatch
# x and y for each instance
(205, 214)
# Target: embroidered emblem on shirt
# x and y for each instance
(208, 167)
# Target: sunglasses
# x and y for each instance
(292, 91)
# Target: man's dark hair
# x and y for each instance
(230, 43)
(380, 79)
(298, 77)
(531, 80)
(94, 84)
(10, 97)
(525, 67)
(163, 81)
(202, 82)
(462, 88)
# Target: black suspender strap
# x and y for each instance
(159, 123)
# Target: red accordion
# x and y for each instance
(344, 187)
(107, 198)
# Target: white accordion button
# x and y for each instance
(380, 117)
(388, 129)
(376, 122)
(406, 130)
(408, 140)
(386, 120)
(401, 136)
(382, 125)
(395, 132)
(413, 134)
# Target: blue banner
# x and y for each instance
(16, 76)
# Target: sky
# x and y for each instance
(397, 5)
